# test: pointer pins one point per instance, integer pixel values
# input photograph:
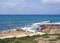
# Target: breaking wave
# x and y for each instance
(33, 26)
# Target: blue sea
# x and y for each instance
(8, 22)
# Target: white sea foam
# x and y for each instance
(36, 25)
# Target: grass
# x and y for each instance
(45, 36)
(27, 39)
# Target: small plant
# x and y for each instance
(45, 36)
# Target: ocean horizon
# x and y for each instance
(8, 22)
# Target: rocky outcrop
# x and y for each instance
(50, 28)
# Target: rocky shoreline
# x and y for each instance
(45, 28)
(17, 33)
(52, 29)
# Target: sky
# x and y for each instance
(29, 6)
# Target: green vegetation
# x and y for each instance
(54, 34)
(28, 39)
(45, 36)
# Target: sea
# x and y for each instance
(9, 22)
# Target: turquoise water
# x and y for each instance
(13, 21)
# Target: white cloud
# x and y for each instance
(15, 3)
(29, 6)
(12, 6)
(50, 1)
(9, 4)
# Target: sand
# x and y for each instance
(14, 33)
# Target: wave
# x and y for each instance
(34, 26)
